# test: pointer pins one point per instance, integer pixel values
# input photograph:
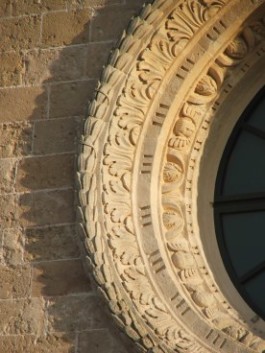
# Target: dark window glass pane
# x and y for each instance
(239, 205)
(257, 118)
(245, 240)
(246, 166)
(256, 290)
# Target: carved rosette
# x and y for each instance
(170, 74)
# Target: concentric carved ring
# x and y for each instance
(168, 81)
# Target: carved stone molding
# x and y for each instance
(167, 81)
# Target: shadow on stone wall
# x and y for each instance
(73, 313)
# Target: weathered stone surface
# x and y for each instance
(18, 33)
(75, 313)
(13, 247)
(53, 4)
(12, 68)
(56, 343)
(54, 24)
(103, 341)
(93, 3)
(48, 172)
(56, 135)
(67, 274)
(95, 341)
(70, 99)
(46, 207)
(23, 7)
(51, 243)
(102, 24)
(5, 9)
(97, 54)
(30, 103)
(50, 65)
(15, 283)
(9, 215)
(19, 317)
(15, 139)
(7, 174)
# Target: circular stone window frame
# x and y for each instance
(209, 165)
(172, 74)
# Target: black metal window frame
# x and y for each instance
(238, 203)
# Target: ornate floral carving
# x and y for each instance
(173, 172)
(113, 223)
(205, 91)
(184, 129)
(189, 16)
(237, 49)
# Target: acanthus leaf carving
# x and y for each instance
(123, 245)
(191, 14)
(205, 91)
(139, 76)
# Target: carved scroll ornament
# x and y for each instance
(166, 80)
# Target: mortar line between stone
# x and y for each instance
(44, 226)
(62, 47)
(20, 158)
(41, 29)
(48, 101)
(41, 85)
(33, 263)
(19, 193)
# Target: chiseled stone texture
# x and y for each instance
(15, 139)
(20, 32)
(22, 103)
(50, 243)
(12, 247)
(12, 68)
(55, 343)
(76, 22)
(51, 54)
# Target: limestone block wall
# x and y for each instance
(51, 55)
